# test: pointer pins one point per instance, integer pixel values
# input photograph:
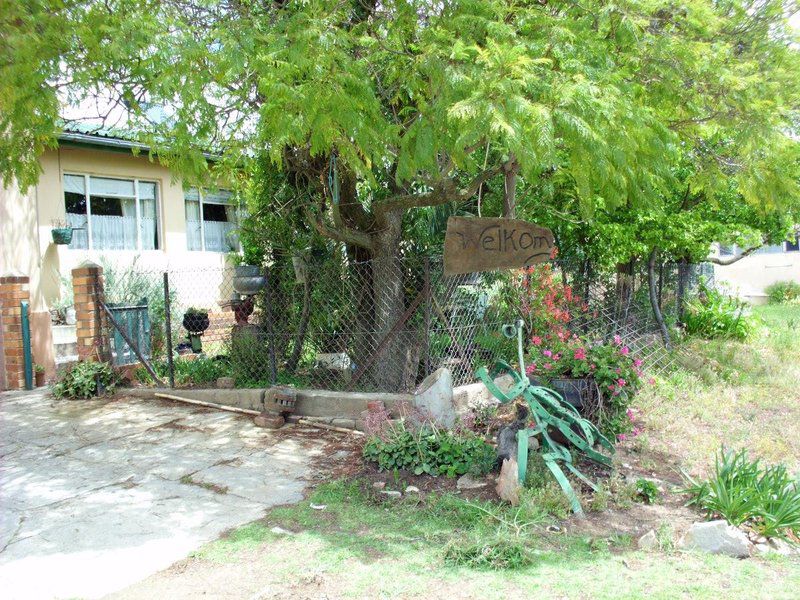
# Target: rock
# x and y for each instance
(318, 506)
(779, 546)
(507, 441)
(467, 482)
(508, 482)
(717, 537)
(379, 485)
(435, 396)
(762, 549)
(412, 489)
(269, 420)
(648, 541)
(281, 531)
(394, 495)
(225, 383)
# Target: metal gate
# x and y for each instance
(135, 321)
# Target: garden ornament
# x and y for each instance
(549, 411)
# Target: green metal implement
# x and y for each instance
(550, 412)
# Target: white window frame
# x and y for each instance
(88, 196)
(200, 196)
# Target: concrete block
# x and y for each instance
(435, 396)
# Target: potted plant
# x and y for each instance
(39, 374)
(61, 232)
(196, 321)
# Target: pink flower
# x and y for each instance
(537, 341)
(617, 340)
(530, 369)
(630, 414)
(637, 362)
(652, 381)
(618, 371)
(580, 354)
(593, 366)
(547, 353)
(621, 382)
(548, 366)
(624, 351)
(621, 437)
(557, 356)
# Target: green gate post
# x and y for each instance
(26, 345)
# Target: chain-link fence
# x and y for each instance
(369, 326)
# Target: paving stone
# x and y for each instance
(99, 494)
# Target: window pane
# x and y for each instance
(793, 246)
(103, 186)
(193, 239)
(191, 195)
(149, 224)
(113, 223)
(75, 184)
(147, 190)
(217, 197)
(76, 218)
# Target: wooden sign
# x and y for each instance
(473, 244)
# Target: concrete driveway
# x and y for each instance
(96, 495)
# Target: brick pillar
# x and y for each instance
(87, 286)
(13, 290)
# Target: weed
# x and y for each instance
(665, 536)
(494, 554)
(744, 491)
(212, 487)
(647, 491)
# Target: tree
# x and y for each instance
(406, 103)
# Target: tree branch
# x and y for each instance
(443, 191)
(340, 234)
(729, 261)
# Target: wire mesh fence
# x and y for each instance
(381, 325)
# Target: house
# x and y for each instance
(125, 209)
(750, 276)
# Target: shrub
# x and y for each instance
(784, 292)
(745, 492)
(430, 450)
(647, 491)
(715, 315)
(85, 380)
(493, 554)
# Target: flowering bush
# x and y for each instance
(613, 368)
(546, 303)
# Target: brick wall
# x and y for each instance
(87, 286)
(13, 290)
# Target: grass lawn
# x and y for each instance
(444, 546)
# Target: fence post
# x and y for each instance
(273, 368)
(427, 291)
(26, 344)
(168, 332)
(13, 291)
(87, 286)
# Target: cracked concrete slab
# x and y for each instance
(99, 494)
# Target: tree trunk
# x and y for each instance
(510, 169)
(651, 284)
(300, 337)
(683, 280)
(388, 292)
(624, 294)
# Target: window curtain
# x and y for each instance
(193, 231)
(149, 218)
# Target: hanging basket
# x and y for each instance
(62, 236)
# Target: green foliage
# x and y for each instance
(82, 379)
(647, 491)
(491, 554)
(430, 450)
(784, 292)
(715, 315)
(743, 491)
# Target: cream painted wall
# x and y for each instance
(57, 261)
(750, 276)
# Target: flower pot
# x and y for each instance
(62, 236)
(196, 322)
(572, 390)
(248, 280)
(39, 375)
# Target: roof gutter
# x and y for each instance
(85, 140)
